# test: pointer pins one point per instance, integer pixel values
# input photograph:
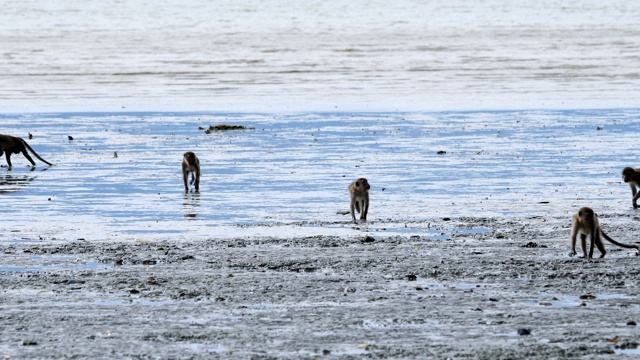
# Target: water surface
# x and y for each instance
(288, 175)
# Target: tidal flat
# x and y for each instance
(465, 253)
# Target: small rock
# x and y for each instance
(134, 291)
(441, 152)
(587, 297)
(524, 332)
(149, 262)
(412, 277)
(29, 343)
(367, 239)
(631, 323)
(70, 137)
(446, 219)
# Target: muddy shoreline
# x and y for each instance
(512, 292)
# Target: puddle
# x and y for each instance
(634, 351)
(91, 265)
(387, 323)
(573, 300)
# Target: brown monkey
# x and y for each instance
(586, 223)
(359, 191)
(632, 177)
(15, 145)
(191, 164)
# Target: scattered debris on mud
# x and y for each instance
(476, 296)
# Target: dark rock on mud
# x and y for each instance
(226, 127)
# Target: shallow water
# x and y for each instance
(289, 175)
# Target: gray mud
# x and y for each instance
(511, 292)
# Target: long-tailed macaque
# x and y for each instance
(359, 191)
(15, 145)
(632, 177)
(586, 223)
(191, 164)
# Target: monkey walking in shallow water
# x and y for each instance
(359, 191)
(15, 145)
(585, 223)
(632, 177)
(191, 164)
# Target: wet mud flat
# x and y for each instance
(511, 292)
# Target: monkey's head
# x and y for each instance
(363, 183)
(628, 174)
(190, 157)
(587, 215)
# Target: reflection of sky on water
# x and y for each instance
(289, 175)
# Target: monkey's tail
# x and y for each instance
(620, 244)
(35, 153)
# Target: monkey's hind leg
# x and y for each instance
(26, 154)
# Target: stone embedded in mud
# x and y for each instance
(367, 239)
(631, 323)
(533, 245)
(524, 332)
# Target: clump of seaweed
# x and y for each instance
(226, 127)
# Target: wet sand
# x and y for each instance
(512, 292)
